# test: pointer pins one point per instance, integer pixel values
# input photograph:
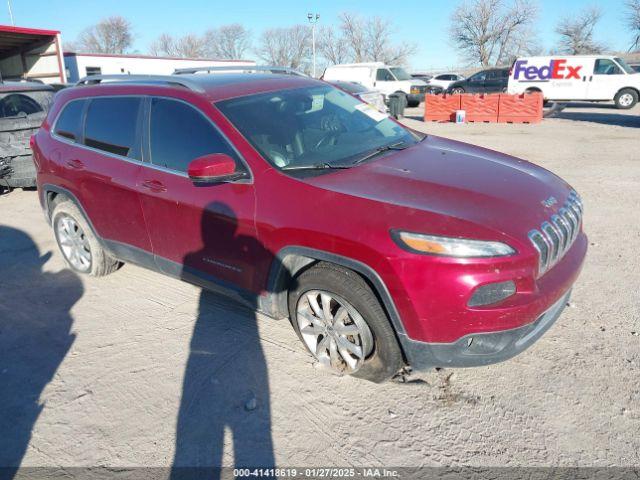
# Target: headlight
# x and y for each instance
(450, 247)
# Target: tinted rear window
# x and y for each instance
(68, 124)
(111, 125)
(180, 134)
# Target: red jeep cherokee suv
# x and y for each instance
(384, 247)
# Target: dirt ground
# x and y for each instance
(94, 371)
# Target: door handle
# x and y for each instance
(154, 186)
(75, 164)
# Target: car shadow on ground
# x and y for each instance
(33, 344)
(605, 118)
(226, 383)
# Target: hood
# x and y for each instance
(456, 180)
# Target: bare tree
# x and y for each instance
(110, 35)
(332, 47)
(289, 47)
(189, 46)
(633, 22)
(363, 39)
(163, 45)
(576, 33)
(490, 32)
(227, 42)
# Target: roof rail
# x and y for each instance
(141, 79)
(240, 68)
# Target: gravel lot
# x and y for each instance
(92, 371)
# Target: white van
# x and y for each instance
(381, 77)
(582, 77)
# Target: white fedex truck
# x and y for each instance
(581, 77)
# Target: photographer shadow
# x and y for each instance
(35, 337)
(226, 384)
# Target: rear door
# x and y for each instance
(496, 81)
(607, 79)
(101, 163)
(200, 230)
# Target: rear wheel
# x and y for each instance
(79, 246)
(626, 99)
(342, 324)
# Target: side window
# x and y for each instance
(69, 120)
(384, 75)
(604, 66)
(179, 134)
(111, 125)
(478, 77)
(492, 75)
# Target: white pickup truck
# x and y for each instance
(594, 78)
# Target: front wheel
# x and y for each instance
(457, 91)
(342, 324)
(626, 99)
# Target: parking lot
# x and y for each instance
(102, 361)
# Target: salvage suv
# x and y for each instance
(385, 248)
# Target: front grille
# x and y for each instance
(557, 234)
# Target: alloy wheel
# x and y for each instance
(73, 243)
(333, 330)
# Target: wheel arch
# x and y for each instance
(52, 194)
(635, 89)
(292, 260)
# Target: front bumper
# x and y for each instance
(415, 97)
(479, 349)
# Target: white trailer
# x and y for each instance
(79, 65)
(31, 54)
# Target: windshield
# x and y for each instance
(625, 66)
(312, 125)
(400, 73)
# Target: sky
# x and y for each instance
(423, 22)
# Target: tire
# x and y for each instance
(71, 227)
(457, 91)
(380, 357)
(626, 99)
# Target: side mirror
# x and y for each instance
(215, 167)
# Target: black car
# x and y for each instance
(493, 80)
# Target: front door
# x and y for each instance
(201, 230)
(607, 79)
(385, 81)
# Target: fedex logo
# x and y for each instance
(557, 69)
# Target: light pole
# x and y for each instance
(11, 13)
(313, 19)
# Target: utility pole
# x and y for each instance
(313, 19)
(11, 13)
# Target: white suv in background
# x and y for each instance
(378, 76)
(596, 78)
(445, 79)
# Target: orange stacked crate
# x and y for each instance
(441, 108)
(481, 108)
(524, 108)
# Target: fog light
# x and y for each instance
(492, 293)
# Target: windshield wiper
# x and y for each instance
(379, 150)
(317, 166)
